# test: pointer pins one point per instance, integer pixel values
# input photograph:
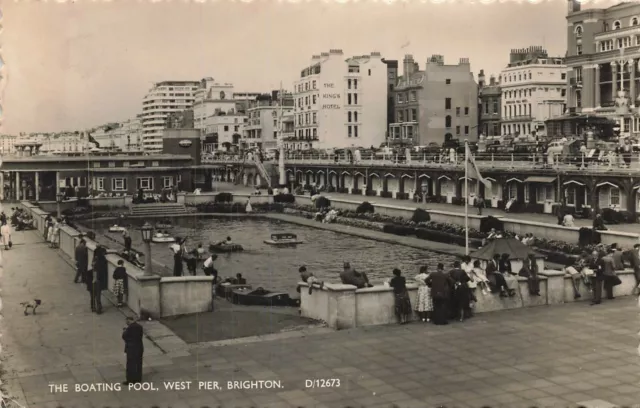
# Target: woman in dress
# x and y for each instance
(479, 277)
(509, 276)
(403, 303)
(55, 233)
(424, 303)
(248, 209)
(467, 267)
(5, 230)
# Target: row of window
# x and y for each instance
(352, 131)
(308, 133)
(523, 93)
(617, 25)
(494, 105)
(521, 128)
(309, 85)
(307, 119)
(618, 43)
(511, 111)
(126, 164)
(447, 106)
(120, 184)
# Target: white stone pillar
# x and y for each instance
(614, 80)
(18, 185)
(57, 184)
(632, 85)
(37, 177)
(597, 84)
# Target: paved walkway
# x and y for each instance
(545, 356)
(545, 218)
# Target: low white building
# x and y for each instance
(120, 136)
(7, 143)
(211, 98)
(227, 129)
(341, 102)
(533, 91)
(263, 120)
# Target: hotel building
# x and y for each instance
(341, 102)
(162, 100)
(264, 116)
(436, 104)
(533, 91)
(603, 58)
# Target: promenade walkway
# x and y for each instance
(544, 218)
(545, 356)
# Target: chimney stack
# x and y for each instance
(408, 66)
(481, 78)
(492, 80)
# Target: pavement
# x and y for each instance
(544, 218)
(558, 356)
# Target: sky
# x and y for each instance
(73, 66)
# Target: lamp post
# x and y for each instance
(147, 231)
(59, 198)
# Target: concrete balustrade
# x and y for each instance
(160, 296)
(346, 307)
(209, 197)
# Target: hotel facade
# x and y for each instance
(533, 89)
(603, 58)
(341, 102)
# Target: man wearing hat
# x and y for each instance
(134, 349)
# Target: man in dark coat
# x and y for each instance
(134, 349)
(460, 293)
(633, 256)
(440, 284)
(530, 271)
(349, 276)
(598, 223)
(82, 261)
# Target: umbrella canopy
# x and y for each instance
(511, 246)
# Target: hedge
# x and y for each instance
(238, 208)
(322, 202)
(224, 198)
(420, 215)
(284, 198)
(365, 207)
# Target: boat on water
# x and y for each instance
(225, 248)
(162, 238)
(117, 228)
(225, 290)
(283, 239)
(262, 297)
(164, 225)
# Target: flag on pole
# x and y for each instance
(473, 171)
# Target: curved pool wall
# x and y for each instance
(159, 296)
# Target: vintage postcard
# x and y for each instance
(319, 204)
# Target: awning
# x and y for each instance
(540, 179)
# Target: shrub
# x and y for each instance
(356, 191)
(322, 202)
(402, 196)
(398, 230)
(420, 215)
(224, 208)
(284, 198)
(224, 198)
(371, 193)
(386, 194)
(365, 207)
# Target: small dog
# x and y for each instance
(33, 305)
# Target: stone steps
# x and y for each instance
(167, 209)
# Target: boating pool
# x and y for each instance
(276, 268)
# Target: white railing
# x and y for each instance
(263, 171)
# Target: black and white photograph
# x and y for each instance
(319, 204)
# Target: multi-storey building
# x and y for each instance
(533, 91)
(163, 99)
(7, 143)
(392, 79)
(213, 97)
(603, 57)
(436, 104)
(341, 102)
(489, 95)
(181, 120)
(264, 116)
(225, 129)
(289, 133)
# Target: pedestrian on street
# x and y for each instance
(82, 261)
(134, 349)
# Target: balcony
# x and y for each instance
(517, 118)
(577, 82)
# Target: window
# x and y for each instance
(513, 191)
(447, 121)
(355, 116)
(563, 76)
(614, 196)
(414, 115)
(579, 49)
(545, 192)
(314, 118)
(447, 81)
(349, 99)
(634, 21)
(529, 75)
(412, 96)
(348, 83)
(167, 182)
(457, 111)
(355, 99)
(236, 128)
(315, 133)
(314, 84)
(369, 72)
(226, 128)
(447, 103)
(466, 111)
(348, 116)
(119, 184)
(145, 183)
(349, 131)
(155, 164)
(495, 106)
(355, 131)
(96, 164)
(355, 84)
(313, 98)
(275, 135)
(112, 164)
(399, 98)
(99, 185)
(617, 25)
(571, 195)
(400, 117)
(578, 31)
(466, 130)
(486, 108)
(457, 130)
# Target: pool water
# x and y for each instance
(276, 268)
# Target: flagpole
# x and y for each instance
(466, 196)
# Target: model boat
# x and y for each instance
(162, 239)
(225, 248)
(262, 297)
(285, 239)
(117, 228)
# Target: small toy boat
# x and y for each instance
(223, 248)
(164, 225)
(162, 239)
(117, 228)
(285, 239)
(262, 297)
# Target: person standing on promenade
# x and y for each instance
(134, 349)
(100, 278)
(424, 303)
(461, 294)
(5, 231)
(178, 252)
(440, 284)
(402, 301)
(82, 261)
(127, 240)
